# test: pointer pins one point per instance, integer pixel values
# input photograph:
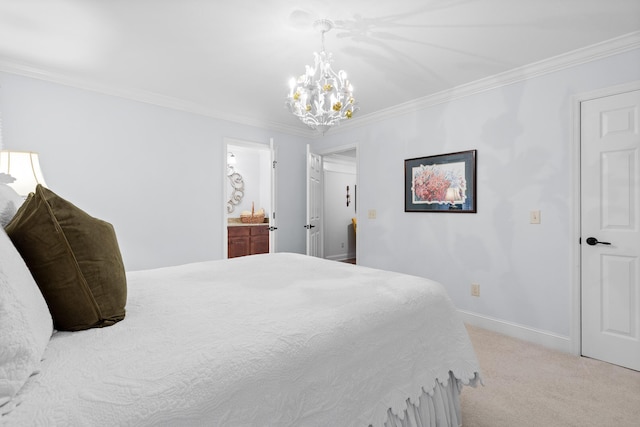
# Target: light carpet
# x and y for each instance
(529, 385)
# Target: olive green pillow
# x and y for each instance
(74, 258)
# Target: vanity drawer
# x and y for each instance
(259, 230)
(238, 231)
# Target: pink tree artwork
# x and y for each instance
(431, 182)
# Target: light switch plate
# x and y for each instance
(475, 290)
(534, 217)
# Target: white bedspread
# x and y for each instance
(267, 340)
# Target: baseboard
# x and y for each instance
(514, 330)
(340, 257)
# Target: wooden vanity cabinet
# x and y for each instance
(247, 240)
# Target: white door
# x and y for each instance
(314, 204)
(272, 217)
(610, 229)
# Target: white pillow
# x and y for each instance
(25, 323)
(10, 201)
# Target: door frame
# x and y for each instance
(263, 146)
(576, 137)
(311, 202)
(336, 150)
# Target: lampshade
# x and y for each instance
(24, 166)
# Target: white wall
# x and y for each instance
(154, 173)
(523, 134)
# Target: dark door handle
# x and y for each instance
(593, 241)
(309, 226)
(273, 228)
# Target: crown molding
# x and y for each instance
(604, 49)
(570, 59)
(146, 97)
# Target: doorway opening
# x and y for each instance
(248, 185)
(340, 186)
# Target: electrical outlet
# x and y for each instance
(475, 290)
(372, 214)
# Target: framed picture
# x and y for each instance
(443, 183)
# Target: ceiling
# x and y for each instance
(233, 60)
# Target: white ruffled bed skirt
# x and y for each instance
(439, 408)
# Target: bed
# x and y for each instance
(265, 340)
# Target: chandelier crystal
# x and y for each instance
(321, 98)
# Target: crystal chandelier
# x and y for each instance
(321, 98)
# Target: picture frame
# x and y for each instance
(441, 183)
